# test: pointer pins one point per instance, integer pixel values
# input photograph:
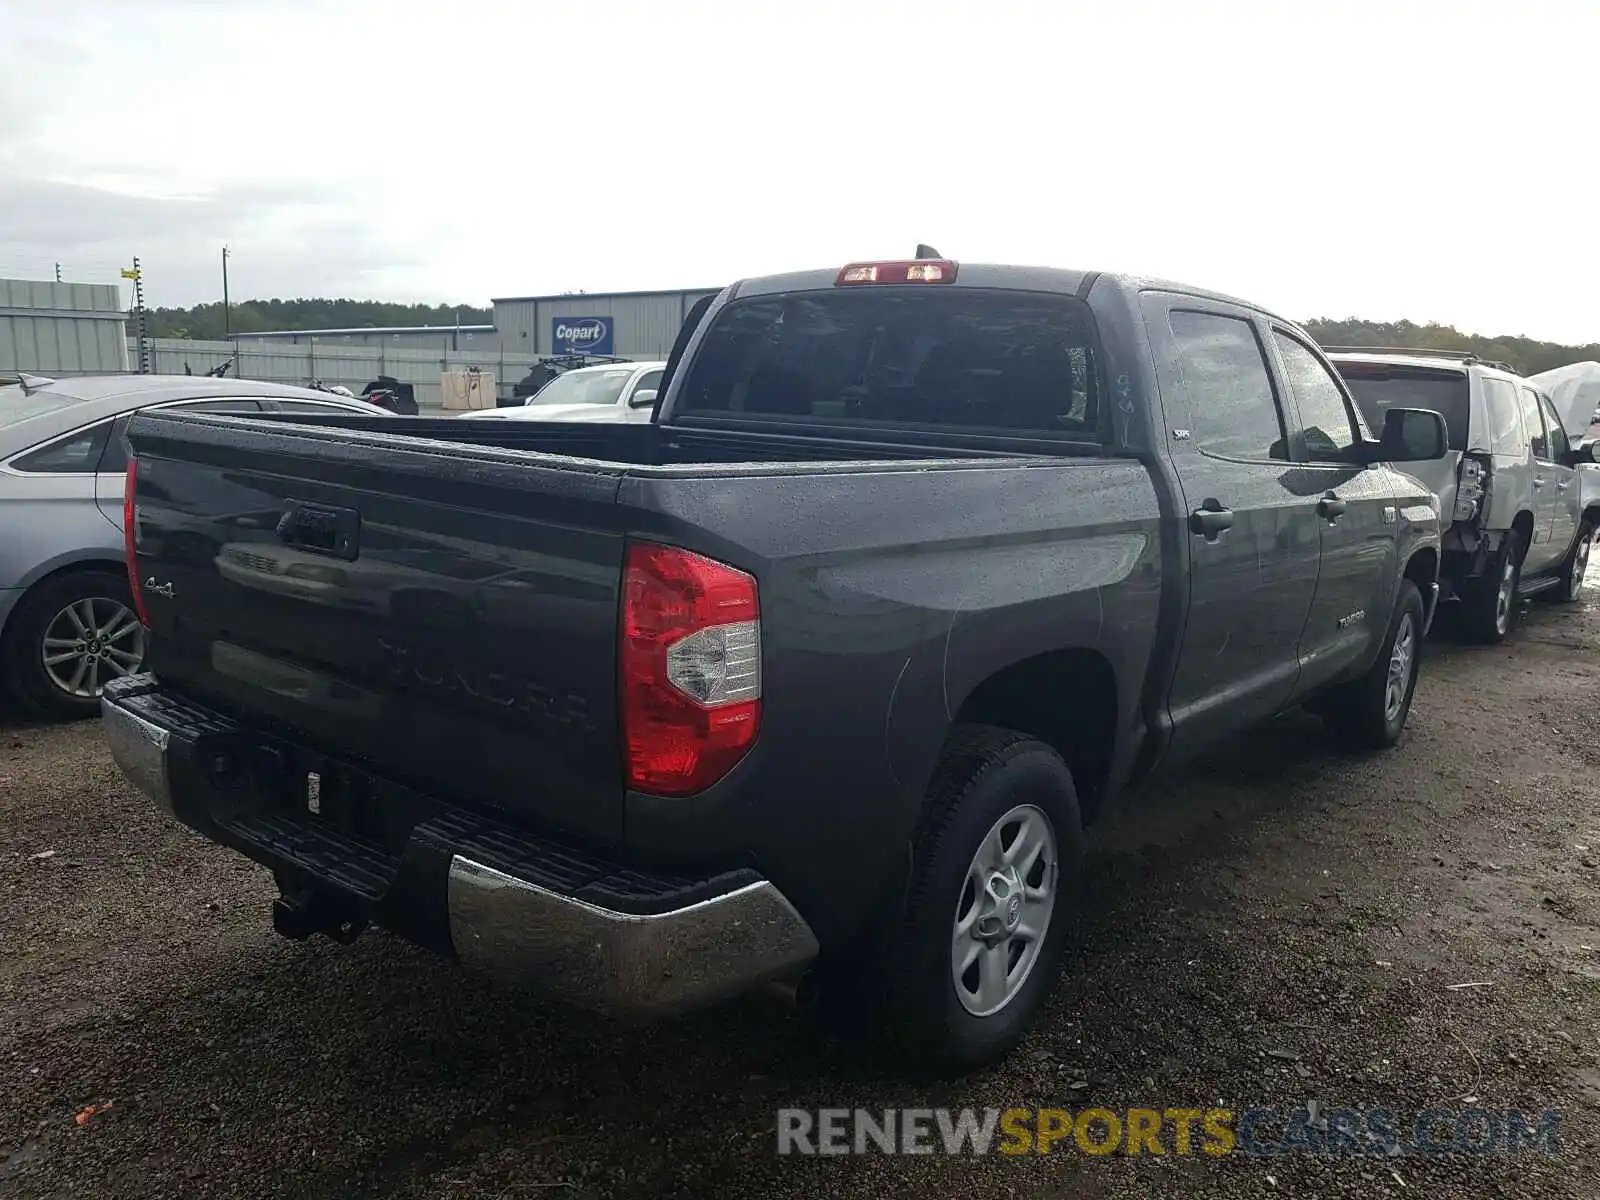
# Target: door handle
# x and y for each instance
(1538, 481)
(1332, 507)
(1211, 520)
(1563, 485)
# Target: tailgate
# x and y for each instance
(447, 613)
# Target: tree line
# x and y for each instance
(204, 321)
(1528, 355)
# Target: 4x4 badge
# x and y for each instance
(160, 589)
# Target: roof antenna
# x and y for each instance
(927, 252)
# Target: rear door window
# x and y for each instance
(1560, 444)
(115, 458)
(1533, 422)
(1506, 432)
(1328, 433)
(1231, 403)
(930, 359)
(314, 407)
(1378, 387)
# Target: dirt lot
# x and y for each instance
(1279, 925)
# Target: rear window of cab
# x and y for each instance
(920, 358)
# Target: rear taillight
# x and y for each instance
(130, 541)
(690, 667)
(1472, 485)
(916, 270)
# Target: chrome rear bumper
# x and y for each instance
(666, 959)
(139, 748)
(625, 962)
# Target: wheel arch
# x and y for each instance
(1422, 569)
(1522, 523)
(47, 572)
(1068, 699)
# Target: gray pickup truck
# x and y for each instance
(821, 675)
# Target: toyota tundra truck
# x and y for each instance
(819, 677)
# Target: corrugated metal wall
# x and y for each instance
(438, 338)
(280, 361)
(61, 328)
(645, 326)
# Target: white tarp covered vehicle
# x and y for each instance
(1574, 390)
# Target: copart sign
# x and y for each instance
(581, 335)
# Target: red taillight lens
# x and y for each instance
(690, 669)
(130, 541)
(917, 270)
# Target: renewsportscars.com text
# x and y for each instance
(1257, 1132)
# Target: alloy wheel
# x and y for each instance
(1401, 659)
(89, 643)
(1004, 910)
(1506, 596)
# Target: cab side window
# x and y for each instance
(1506, 433)
(1560, 444)
(1533, 422)
(1232, 406)
(1329, 431)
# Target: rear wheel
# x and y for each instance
(70, 636)
(1370, 713)
(993, 896)
(1576, 566)
(1490, 603)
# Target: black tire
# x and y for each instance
(1360, 712)
(1484, 618)
(1573, 570)
(35, 613)
(983, 775)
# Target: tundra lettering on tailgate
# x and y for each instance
(422, 669)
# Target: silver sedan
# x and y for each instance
(67, 625)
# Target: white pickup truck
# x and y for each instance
(616, 392)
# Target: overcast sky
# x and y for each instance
(1383, 159)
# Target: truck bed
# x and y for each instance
(462, 636)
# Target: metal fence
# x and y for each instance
(352, 366)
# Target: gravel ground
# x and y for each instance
(1277, 925)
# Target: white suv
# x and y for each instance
(1510, 484)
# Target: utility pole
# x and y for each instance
(227, 327)
(137, 276)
